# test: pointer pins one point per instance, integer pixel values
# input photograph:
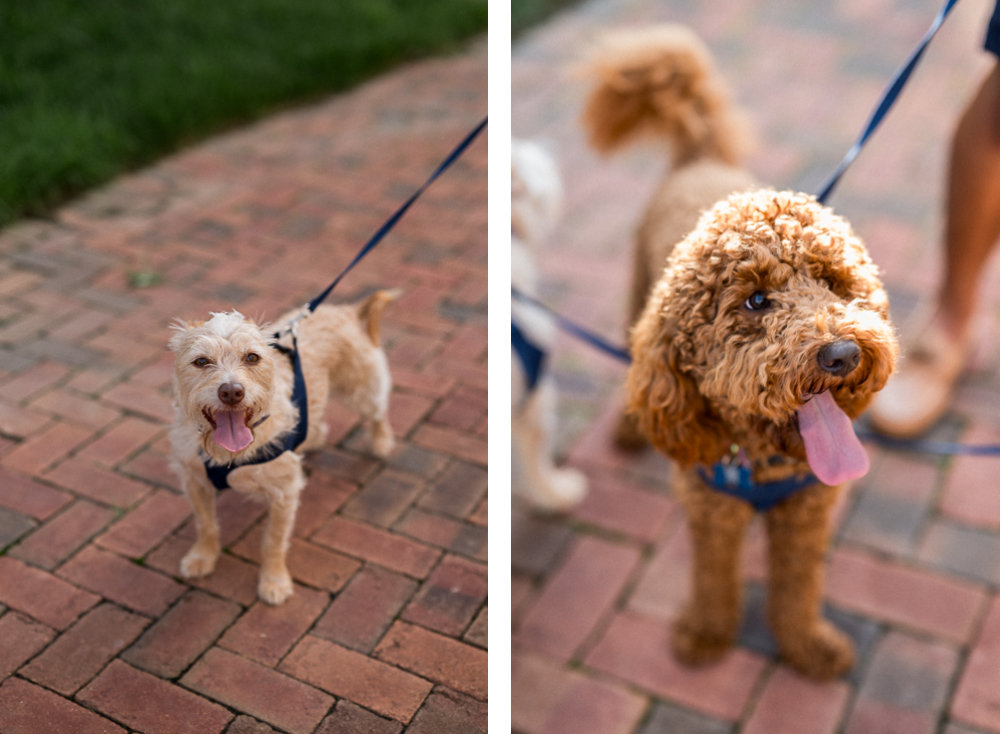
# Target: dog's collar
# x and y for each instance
(219, 474)
(735, 477)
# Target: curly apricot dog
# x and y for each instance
(767, 332)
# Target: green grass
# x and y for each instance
(90, 89)
(526, 13)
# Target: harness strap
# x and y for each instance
(532, 358)
(737, 481)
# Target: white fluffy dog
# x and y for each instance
(536, 197)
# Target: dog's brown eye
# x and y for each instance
(758, 301)
(201, 362)
(253, 358)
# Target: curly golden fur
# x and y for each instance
(711, 371)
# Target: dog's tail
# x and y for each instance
(660, 83)
(371, 309)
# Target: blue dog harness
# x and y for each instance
(219, 474)
(737, 480)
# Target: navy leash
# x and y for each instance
(921, 446)
(580, 332)
(218, 474)
(887, 101)
(532, 357)
(391, 221)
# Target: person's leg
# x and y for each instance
(973, 215)
(919, 392)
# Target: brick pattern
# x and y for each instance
(915, 561)
(387, 629)
(79, 654)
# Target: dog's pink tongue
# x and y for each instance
(232, 433)
(834, 453)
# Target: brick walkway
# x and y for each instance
(915, 570)
(386, 631)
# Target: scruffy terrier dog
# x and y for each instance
(659, 84)
(536, 198)
(766, 334)
(233, 401)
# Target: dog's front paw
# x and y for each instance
(274, 588)
(564, 489)
(199, 561)
(382, 439)
(823, 653)
(694, 645)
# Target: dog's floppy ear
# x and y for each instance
(664, 396)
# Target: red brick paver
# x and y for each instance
(117, 579)
(345, 673)
(259, 691)
(915, 561)
(42, 596)
(180, 636)
(362, 612)
(20, 639)
(977, 700)
(149, 704)
(30, 497)
(25, 707)
(266, 633)
(440, 658)
(790, 703)
(581, 592)
(98, 632)
(545, 695)
(60, 537)
(637, 650)
(79, 654)
(946, 607)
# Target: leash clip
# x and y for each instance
(293, 325)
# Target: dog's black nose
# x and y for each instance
(840, 357)
(231, 393)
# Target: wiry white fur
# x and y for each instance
(224, 323)
(339, 356)
(536, 191)
(536, 198)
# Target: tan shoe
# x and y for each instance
(918, 393)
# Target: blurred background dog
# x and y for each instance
(536, 198)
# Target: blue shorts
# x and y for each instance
(992, 43)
